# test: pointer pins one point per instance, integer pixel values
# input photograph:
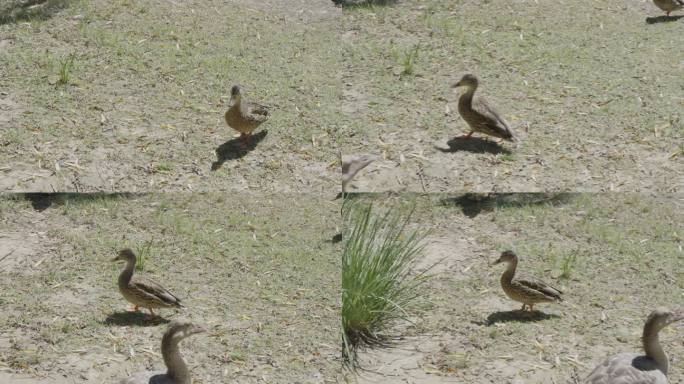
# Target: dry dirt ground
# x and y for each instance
(628, 261)
(261, 272)
(594, 89)
(142, 108)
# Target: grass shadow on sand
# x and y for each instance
(363, 3)
(236, 148)
(139, 319)
(516, 316)
(474, 145)
(472, 204)
(41, 201)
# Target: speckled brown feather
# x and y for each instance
(245, 117)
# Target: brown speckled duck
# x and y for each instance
(176, 370)
(140, 291)
(525, 289)
(479, 113)
(669, 5)
(632, 368)
(244, 116)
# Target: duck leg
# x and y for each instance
(244, 139)
(134, 309)
(152, 314)
(466, 136)
(523, 307)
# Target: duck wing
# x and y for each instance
(533, 284)
(152, 290)
(491, 121)
(626, 368)
(257, 112)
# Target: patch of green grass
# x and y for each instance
(409, 61)
(143, 254)
(65, 66)
(507, 157)
(379, 287)
(567, 266)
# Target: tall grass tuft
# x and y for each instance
(142, 256)
(379, 287)
(409, 61)
(65, 66)
(567, 266)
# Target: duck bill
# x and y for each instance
(678, 316)
(456, 85)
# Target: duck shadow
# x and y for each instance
(236, 148)
(472, 204)
(363, 3)
(516, 316)
(139, 319)
(474, 145)
(663, 19)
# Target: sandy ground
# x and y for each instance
(629, 261)
(592, 89)
(143, 106)
(258, 274)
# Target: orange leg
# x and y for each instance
(244, 137)
(134, 309)
(468, 135)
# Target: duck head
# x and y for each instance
(506, 257)
(468, 80)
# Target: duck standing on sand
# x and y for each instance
(140, 291)
(244, 116)
(525, 289)
(480, 115)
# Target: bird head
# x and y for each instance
(179, 330)
(125, 255)
(236, 92)
(506, 257)
(663, 317)
(468, 80)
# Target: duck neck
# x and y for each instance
(509, 273)
(127, 273)
(653, 348)
(176, 369)
(467, 96)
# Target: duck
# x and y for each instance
(479, 114)
(176, 369)
(633, 368)
(525, 289)
(669, 5)
(244, 116)
(141, 291)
